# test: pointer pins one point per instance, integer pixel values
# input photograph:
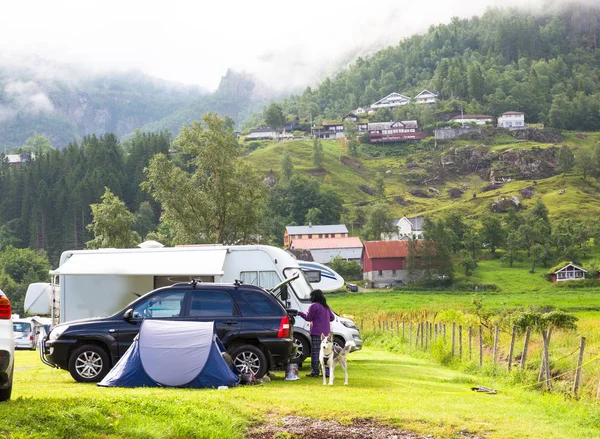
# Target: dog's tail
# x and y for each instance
(349, 345)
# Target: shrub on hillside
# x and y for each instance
(455, 192)
(366, 189)
(419, 193)
(527, 192)
(490, 187)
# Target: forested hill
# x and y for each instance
(64, 103)
(546, 64)
(239, 96)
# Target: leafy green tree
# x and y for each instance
(313, 216)
(287, 166)
(18, 268)
(274, 117)
(220, 201)
(584, 162)
(347, 269)
(379, 221)
(351, 133)
(144, 221)
(468, 263)
(472, 244)
(492, 232)
(512, 247)
(566, 160)
(379, 184)
(112, 224)
(317, 153)
(37, 145)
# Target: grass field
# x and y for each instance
(388, 388)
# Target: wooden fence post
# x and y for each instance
(403, 324)
(422, 334)
(525, 347)
(410, 334)
(470, 343)
(397, 327)
(426, 334)
(435, 332)
(444, 328)
(512, 347)
(495, 345)
(460, 341)
(453, 337)
(480, 347)
(578, 371)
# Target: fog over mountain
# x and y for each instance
(74, 68)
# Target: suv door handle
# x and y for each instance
(230, 322)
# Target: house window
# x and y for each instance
(393, 272)
(380, 273)
(309, 236)
(320, 235)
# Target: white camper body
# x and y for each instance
(95, 283)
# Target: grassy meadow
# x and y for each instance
(388, 388)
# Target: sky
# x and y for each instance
(287, 44)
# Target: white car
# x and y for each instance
(25, 337)
(7, 348)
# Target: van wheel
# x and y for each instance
(250, 359)
(302, 349)
(89, 364)
(5, 393)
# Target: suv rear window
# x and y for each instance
(261, 304)
(212, 304)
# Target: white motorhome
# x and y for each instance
(95, 283)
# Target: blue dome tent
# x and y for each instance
(173, 354)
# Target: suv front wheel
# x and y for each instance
(89, 364)
(250, 359)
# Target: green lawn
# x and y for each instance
(389, 388)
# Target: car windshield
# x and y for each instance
(301, 285)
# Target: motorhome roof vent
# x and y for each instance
(150, 244)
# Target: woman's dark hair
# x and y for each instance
(318, 296)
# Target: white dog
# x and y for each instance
(330, 356)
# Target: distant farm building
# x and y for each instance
(293, 233)
(569, 271)
(384, 262)
(397, 131)
(406, 228)
(323, 250)
(512, 119)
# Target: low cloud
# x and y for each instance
(24, 97)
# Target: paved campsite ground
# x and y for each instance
(388, 393)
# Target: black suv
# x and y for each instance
(252, 324)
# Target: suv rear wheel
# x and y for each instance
(302, 349)
(250, 359)
(89, 364)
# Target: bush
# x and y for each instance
(455, 192)
(253, 145)
(350, 270)
(419, 193)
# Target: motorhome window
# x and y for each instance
(261, 303)
(212, 304)
(265, 279)
(167, 304)
(301, 286)
(165, 281)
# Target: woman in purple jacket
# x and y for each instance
(319, 315)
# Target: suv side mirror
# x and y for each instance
(128, 316)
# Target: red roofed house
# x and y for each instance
(325, 249)
(384, 262)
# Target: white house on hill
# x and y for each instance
(426, 97)
(512, 119)
(407, 228)
(391, 100)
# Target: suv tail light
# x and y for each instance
(284, 327)
(5, 311)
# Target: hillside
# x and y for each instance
(413, 185)
(65, 103)
(545, 64)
